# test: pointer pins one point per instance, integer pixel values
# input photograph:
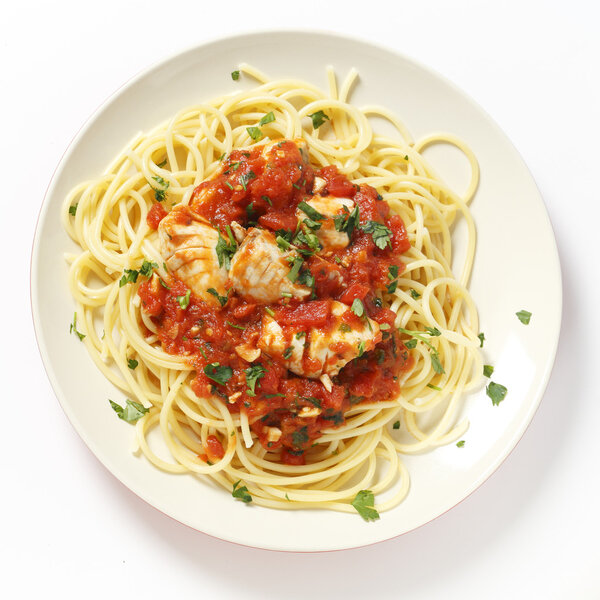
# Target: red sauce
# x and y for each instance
(252, 190)
(155, 215)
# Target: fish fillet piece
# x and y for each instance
(329, 207)
(259, 269)
(187, 244)
(319, 350)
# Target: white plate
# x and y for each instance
(516, 268)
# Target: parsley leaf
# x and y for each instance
(130, 276)
(300, 437)
(225, 250)
(309, 211)
(73, 209)
(132, 363)
(318, 118)
(159, 193)
(488, 370)
(73, 328)
(218, 373)
(357, 307)
(396, 425)
(235, 75)
(296, 263)
(287, 353)
(436, 364)
(345, 328)
(496, 392)
(391, 288)
(364, 504)
(255, 133)
(361, 348)
(481, 337)
(314, 401)
(253, 374)
(524, 316)
(393, 271)
(415, 294)
(184, 301)
(434, 387)
(222, 299)
(241, 493)
(245, 178)
(382, 236)
(460, 444)
(131, 412)
(268, 118)
(347, 221)
(147, 268)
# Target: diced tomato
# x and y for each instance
(214, 449)
(356, 290)
(400, 242)
(155, 215)
(310, 314)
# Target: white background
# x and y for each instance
(69, 529)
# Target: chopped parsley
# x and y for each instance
(255, 133)
(481, 337)
(396, 425)
(391, 288)
(131, 412)
(235, 75)
(460, 444)
(234, 325)
(267, 200)
(300, 437)
(222, 299)
(496, 392)
(433, 353)
(73, 209)
(524, 316)
(361, 348)
(132, 363)
(241, 493)
(415, 295)
(226, 249)
(310, 212)
(245, 178)
(147, 268)
(382, 236)
(282, 243)
(129, 276)
(287, 353)
(253, 374)
(347, 221)
(488, 370)
(364, 503)
(318, 118)
(296, 265)
(268, 118)
(159, 193)
(434, 387)
(269, 311)
(357, 307)
(218, 373)
(345, 328)
(314, 401)
(73, 328)
(184, 301)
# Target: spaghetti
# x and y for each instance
(114, 218)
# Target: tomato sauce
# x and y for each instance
(254, 190)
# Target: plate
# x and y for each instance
(516, 268)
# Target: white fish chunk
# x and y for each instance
(259, 269)
(273, 341)
(336, 347)
(187, 244)
(320, 352)
(329, 207)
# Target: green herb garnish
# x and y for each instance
(253, 374)
(218, 373)
(524, 316)
(318, 118)
(382, 236)
(241, 493)
(131, 412)
(364, 503)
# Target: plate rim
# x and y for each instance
(514, 439)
